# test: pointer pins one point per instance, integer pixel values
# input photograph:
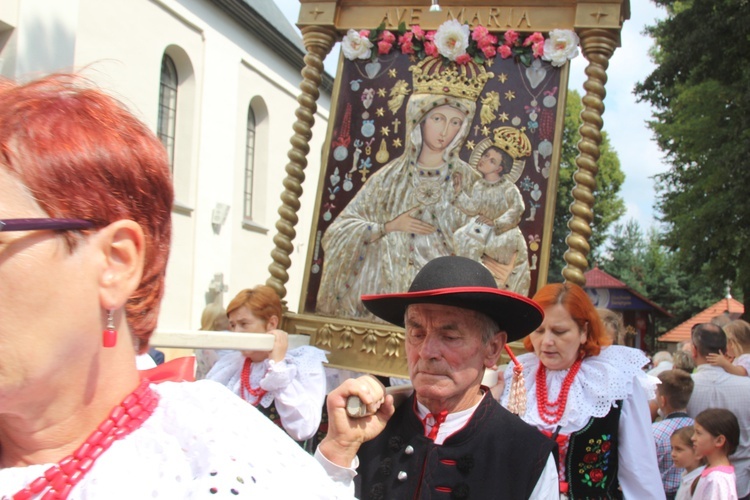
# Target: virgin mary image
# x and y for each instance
(404, 216)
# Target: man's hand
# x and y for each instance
(346, 434)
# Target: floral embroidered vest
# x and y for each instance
(591, 461)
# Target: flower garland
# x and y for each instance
(458, 43)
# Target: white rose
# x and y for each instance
(356, 46)
(560, 46)
(452, 39)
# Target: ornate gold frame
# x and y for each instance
(378, 348)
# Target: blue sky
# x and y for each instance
(624, 118)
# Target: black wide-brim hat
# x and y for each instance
(464, 283)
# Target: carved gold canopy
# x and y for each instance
(379, 348)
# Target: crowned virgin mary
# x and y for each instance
(403, 216)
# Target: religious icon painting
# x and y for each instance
(435, 153)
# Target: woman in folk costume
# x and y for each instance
(403, 216)
(288, 386)
(85, 221)
(588, 396)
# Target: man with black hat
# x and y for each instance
(450, 439)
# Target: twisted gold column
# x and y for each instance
(318, 42)
(598, 46)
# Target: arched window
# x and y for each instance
(168, 106)
(249, 164)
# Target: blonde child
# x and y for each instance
(684, 457)
(737, 358)
(717, 433)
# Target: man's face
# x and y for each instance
(446, 355)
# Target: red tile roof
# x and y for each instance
(596, 278)
(682, 331)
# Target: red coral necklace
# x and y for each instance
(59, 480)
(247, 389)
(552, 411)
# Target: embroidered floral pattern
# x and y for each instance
(595, 462)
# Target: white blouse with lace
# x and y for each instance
(201, 442)
(297, 385)
(614, 375)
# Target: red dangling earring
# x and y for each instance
(109, 335)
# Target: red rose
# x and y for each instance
(590, 458)
(596, 475)
(606, 445)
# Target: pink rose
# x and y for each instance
(489, 51)
(538, 49)
(407, 37)
(430, 49)
(418, 32)
(463, 58)
(511, 37)
(407, 47)
(533, 38)
(479, 33)
(384, 47)
(505, 51)
(487, 40)
(430, 35)
(364, 33)
(387, 36)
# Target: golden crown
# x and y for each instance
(435, 75)
(513, 141)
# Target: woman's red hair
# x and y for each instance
(82, 155)
(262, 301)
(575, 300)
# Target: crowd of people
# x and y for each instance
(85, 200)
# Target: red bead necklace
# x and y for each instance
(247, 389)
(59, 480)
(552, 412)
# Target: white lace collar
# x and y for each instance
(601, 381)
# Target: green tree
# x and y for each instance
(608, 205)
(701, 94)
(643, 263)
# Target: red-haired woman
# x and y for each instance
(85, 209)
(288, 386)
(590, 398)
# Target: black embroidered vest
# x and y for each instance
(495, 456)
(591, 461)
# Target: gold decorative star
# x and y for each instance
(392, 73)
(397, 142)
(485, 131)
(385, 130)
(503, 117)
(380, 112)
(381, 92)
(510, 95)
(412, 58)
(470, 145)
(502, 77)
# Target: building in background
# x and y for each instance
(218, 81)
(638, 312)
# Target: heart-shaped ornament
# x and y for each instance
(372, 68)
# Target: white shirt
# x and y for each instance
(686, 483)
(200, 437)
(715, 388)
(615, 374)
(297, 386)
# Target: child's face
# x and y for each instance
(490, 162)
(683, 454)
(704, 443)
